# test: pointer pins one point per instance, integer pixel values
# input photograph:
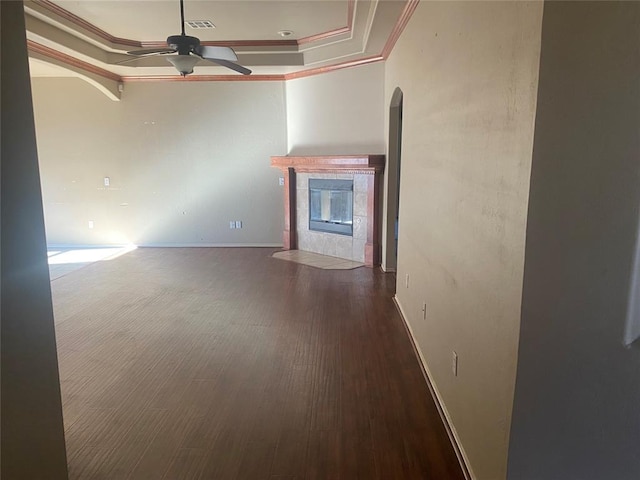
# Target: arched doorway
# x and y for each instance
(393, 180)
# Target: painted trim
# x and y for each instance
(333, 68)
(51, 246)
(171, 245)
(127, 42)
(406, 14)
(404, 18)
(205, 78)
(229, 43)
(69, 60)
(79, 22)
(323, 163)
(448, 425)
(323, 36)
(333, 33)
(254, 78)
(209, 245)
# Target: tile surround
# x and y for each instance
(342, 246)
(365, 172)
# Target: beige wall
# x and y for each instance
(337, 113)
(469, 73)
(183, 160)
(575, 412)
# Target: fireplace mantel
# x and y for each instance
(367, 168)
(361, 164)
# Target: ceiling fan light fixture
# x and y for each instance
(183, 63)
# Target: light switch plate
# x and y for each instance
(454, 363)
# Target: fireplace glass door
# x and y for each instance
(331, 206)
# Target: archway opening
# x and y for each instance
(393, 180)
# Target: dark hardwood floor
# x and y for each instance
(219, 363)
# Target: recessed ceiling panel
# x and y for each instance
(154, 20)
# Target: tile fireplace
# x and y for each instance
(332, 205)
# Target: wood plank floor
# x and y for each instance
(219, 363)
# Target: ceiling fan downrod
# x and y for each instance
(182, 16)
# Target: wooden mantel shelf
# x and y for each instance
(368, 166)
(331, 163)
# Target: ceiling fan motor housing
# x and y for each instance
(184, 44)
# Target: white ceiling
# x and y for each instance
(154, 20)
(72, 37)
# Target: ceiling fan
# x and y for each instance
(191, 52)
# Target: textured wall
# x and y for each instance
(469, 72)
(183, 160)
(337, 113)
(575, 413)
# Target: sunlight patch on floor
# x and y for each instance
(87, 255)
(66, 260)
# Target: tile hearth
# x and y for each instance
(311, 259)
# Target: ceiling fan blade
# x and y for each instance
(151, 51)
(139, 57)
(215, 52)
(231, 65)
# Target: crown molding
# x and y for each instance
(398, 28)
(332, 33)
(204, 78)
(404, 18)
(126, 42)
(53, 54)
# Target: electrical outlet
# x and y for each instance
(238, 223)
(107, 181)
(232, 224)
(406, 281)
(424, 311)
(281, 181)
(90, 223)
(454, 363)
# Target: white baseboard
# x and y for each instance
(453, 436)
(387, 269)
(169, 245)
(210, 245)
(68, 246)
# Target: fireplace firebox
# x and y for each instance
(331, 206)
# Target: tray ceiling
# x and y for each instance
(90, 38)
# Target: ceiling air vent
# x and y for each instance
(200, 24)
